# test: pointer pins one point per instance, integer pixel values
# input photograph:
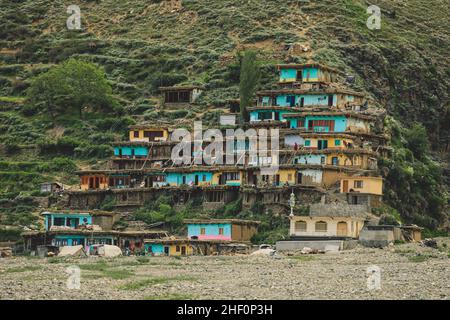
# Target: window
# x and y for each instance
(289, 176)
(221, 231)
(59, 221)
(72, 222)
(300, 226)
(267, 115)
(233, 176)
(321, 226)
(322, 160)
(290, 100)
(307, 143)
(151, 135)
(358, 184)
(202, 231)
(335, 161)
(177, 249)
(136, 134)
(204, 178)
(337, 143)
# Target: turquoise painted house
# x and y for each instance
(70, 236)
(298, 100)
(85, 240)
(154, 248)
(310, 159)
(336, 123)
(130, 151)
(310, 72)
(268, 115)
(189, 178)
(221, 229)
(209, 231)
(71, 220)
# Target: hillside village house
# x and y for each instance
(87, 228)
(363, 190)
(362, 184)
(221, 229)
(168, 247)
(146, 133)
(205, 236)
(328, 221)
(180, 94)
(306, 73)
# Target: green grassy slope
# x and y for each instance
(145, 44)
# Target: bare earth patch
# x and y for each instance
(407, 272)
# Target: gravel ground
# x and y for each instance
(408, 271)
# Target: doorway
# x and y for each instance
(183, 250)
(330, 100)
(299, 178)
(345, 186)
(342, 229)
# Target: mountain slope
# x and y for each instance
(144, 44)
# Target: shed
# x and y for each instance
(180, 94)
(52, 187)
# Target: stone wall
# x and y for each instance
(376, 238)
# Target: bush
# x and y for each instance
(10, 234)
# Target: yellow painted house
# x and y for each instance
(148, 134)
(328, 143)
(168, 247)
(370, 185)
(229, 178)
(350, 160)
(287, 176)
(281, 178)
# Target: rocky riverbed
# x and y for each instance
(408, 271)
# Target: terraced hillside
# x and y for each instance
(146, 44)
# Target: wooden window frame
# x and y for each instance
(320, 223)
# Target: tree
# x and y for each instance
(73, 85)
(417, 141)
(249, 78)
